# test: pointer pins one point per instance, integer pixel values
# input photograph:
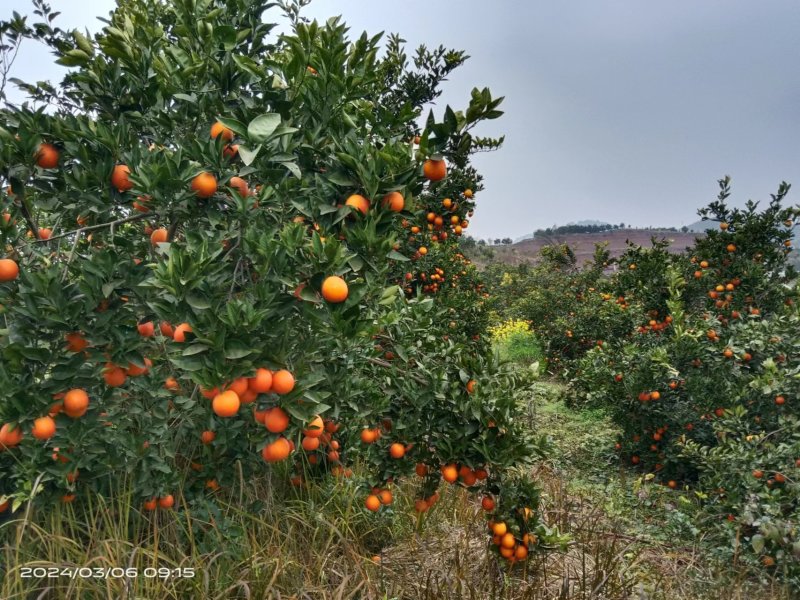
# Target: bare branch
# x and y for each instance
(100, 226)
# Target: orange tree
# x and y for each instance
(706, 393)
(203, 240)
(572, 308)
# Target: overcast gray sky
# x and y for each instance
(616, 110)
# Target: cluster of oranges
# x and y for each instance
(378, 497)
(654, 325)
(511, 547)
(73, 403)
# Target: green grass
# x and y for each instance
(524, 349)
(663, 553)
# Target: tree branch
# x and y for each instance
(388, 365)
(100, 226)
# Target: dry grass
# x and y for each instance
(264, 539)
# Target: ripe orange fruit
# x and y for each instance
(167, 501)
(150, 504)
(499, 529)
(394, 201)
(47, 156)
(68, 498)
(8, 437)
(113, 375)
(471, 386)
(261, 383)
(45, 233)
(119, 178)
(76, 403)
(372, 503)
(310, 444)
(43, 428)
(159, 236)
(209, 394)
(76, 342)
(276, 451)
(434, 170)
(240, 185)
(508, 541)
(368, 436)
(179, 335)
(204, 185)
(259, 415)
(358, 202)
(386, 497)
(218, 129)
(282, 382)
(730, 248)
(397, 450)
(780, 400)
(421, 506)
(208, 436)
(140, 205)
(488, 503)
(239, 385)
(758, 473)
(315, 428)
(9, 270)
(334, 289)
(248, 396)
(146, 329)
(226, 404)
(450, 473)
(172, 384)
(276, 420)
(468, 193)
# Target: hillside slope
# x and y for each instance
(582, 243)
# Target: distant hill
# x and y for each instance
(584, 223)
(701, 226)
(582, 243)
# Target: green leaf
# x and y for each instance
(236, 350)
(197, 302)
(236, 126)
(757, 541)
(356, 263)
(395, 255)
(195, 349)
(110, 287)
(340, 179)
(73, 58)
(248, 64)
(309, 295)
(263, 126)
(293, 168)
(226, 35)
(187, 363)
(247, 155)
(83, 42)
(302, 414)
(186, 97)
